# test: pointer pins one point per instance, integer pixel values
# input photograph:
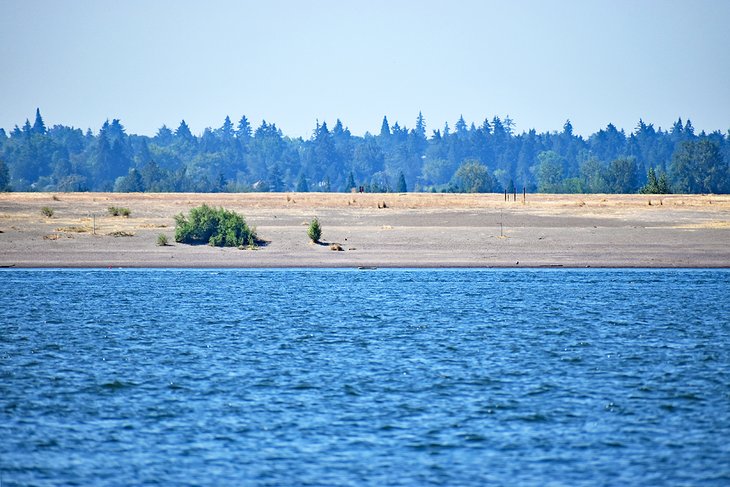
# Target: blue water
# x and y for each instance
(345, 377)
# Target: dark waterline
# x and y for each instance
(397, 377)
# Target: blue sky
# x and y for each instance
(150, 63)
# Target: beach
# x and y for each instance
(374, 230)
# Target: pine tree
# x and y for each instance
(102, 160)
(183, 131)
(302, 186)
(655, 185)
(385, 128)
(4, 177)
(350, 182)
(420, 129)
(39, 127)
(652, 185)
(276, 182)
(164, 136)
(338, 130)
(314, 232)
(226, 130)
(244, 129)
(131, 183)
(401, 187)
(460, 127)
(567, 128)
(220, 184)
(663, 184)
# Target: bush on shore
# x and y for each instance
(117, 211)
(314, 232)
(213, 226)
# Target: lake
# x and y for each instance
(351, 377)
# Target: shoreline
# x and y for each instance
(360, 268)
(409, 230)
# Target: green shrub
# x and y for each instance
(315, 230)
(213, 226)
(47, 211)
(162, 240)
(115, 211)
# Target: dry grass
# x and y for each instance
(716, 224)
(99, 202)
(73, 229)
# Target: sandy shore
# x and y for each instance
(413, 230)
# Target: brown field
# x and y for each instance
(381, 230)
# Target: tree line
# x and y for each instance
(489, 157)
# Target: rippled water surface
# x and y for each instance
(386, 377)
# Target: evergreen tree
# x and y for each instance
(131, 183)
(385, 128)
(38, 127)
(244, 129)
(568, 128)
(326, 185)
(593, 178)
(4, 177)
(655, 185)
(677, 131)
(420, 129)
(164, 136)
(115, 131)
(622, 175)
(220, 183)
(338, 130)
(102, 162)
(652, 184)
(699, 167)
(511, 187)
(153, 177)
(460, 127)
(549, 172)
(663, 184)
(302, 186)
(183, 131)
(350, 183)
(226, 131)
(276, 182)
(314, 232)
(401, 186)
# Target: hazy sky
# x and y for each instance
(150, 63)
